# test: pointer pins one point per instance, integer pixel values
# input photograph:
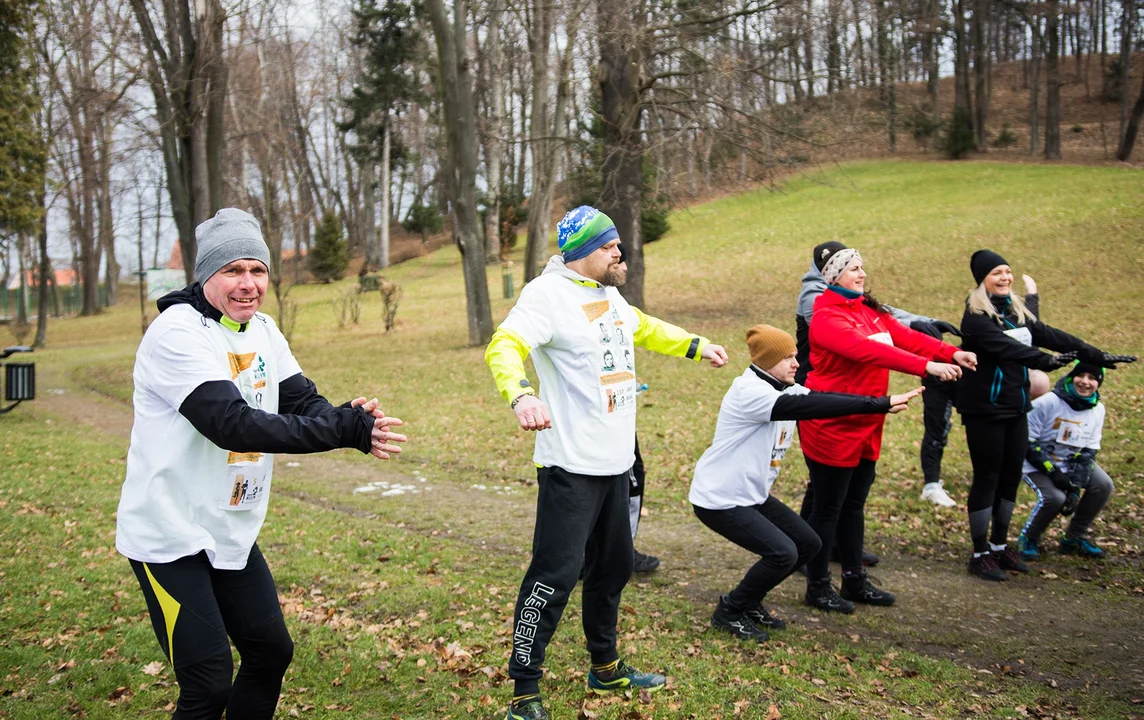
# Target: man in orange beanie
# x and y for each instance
(731, 489)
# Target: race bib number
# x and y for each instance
(1021, 335)
(247, 481)
(1071, 432)
(782, 441)
(618, 398)
(882, 337)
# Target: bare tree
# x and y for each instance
(187, 72)
(459, 110)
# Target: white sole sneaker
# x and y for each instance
(936, 494)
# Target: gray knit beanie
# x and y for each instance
(230, 235)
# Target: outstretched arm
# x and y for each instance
(819, 405)
(667, 339)
(505, 357)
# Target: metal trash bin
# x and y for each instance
(19, 381)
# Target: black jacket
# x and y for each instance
(1000, 386)
(306, 422)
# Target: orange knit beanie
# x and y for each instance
(768, 345)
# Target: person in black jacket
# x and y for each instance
(217, 393)
(993, 402)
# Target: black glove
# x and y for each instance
(1060, 479)
(1108, 360)
(946, 327)
(1059, 361)
(1072, 499)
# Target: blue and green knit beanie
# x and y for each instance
(584, 230)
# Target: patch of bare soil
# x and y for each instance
(1057, 626)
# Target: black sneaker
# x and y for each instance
(821, 594)
(763, 618)
(531, 710)
(736, 623)
(859, 589)
(869, 559)
(644, 563)
(1008, 559)
(985, 567)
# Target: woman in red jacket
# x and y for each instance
(854, 343)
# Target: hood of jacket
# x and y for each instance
(190, 295)
(1065, 391)
(813, 285)
(556, 266)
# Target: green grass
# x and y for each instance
(405, 580)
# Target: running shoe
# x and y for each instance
(1080, 546)
(531, 710)
(624, 677)
(985, 567)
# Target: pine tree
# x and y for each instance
(21, 147)
(329, 257)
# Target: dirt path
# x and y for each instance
(1067, 632)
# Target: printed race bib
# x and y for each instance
(882, 337)
(783, 439)
(618, 394)
(1071, 432)
(1021, 335)
(247, 481)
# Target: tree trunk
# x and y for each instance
(459, 111)
(1125, 76)
(980, 73)
(106, 221)
(1053, 81)
(1131, 129)
(620, 26)
(45, 270)
(960, 60)
(495, 134)
(369, 213)
(1035, 89)
(386, 171)
(540, 202)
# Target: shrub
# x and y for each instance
(390, 299)
(957, 139)
(423, 219)
(330, 255)
(1006, 139)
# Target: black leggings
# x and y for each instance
(997, 451)
(774, 532)
(194, 607)
(838, 513)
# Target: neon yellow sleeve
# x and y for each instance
(505, 357)
(667, 339)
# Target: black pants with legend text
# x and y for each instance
(580, 520)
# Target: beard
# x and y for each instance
(615, 276)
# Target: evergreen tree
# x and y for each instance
(21, 147)
(958, 138)
(389, 38)
(329, 257)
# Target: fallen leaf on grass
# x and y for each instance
(773, 713)
(153, 668)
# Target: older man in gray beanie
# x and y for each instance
(217, 393)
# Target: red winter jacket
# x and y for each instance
(852, 349)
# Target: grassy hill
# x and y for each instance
(399, 603)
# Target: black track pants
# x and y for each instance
(937, 406)
(838, 513)
(997, 451)
(194, 608)
(774, 532)
(580, 519)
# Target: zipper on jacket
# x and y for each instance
(995, 390)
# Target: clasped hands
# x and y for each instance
(381, 439)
